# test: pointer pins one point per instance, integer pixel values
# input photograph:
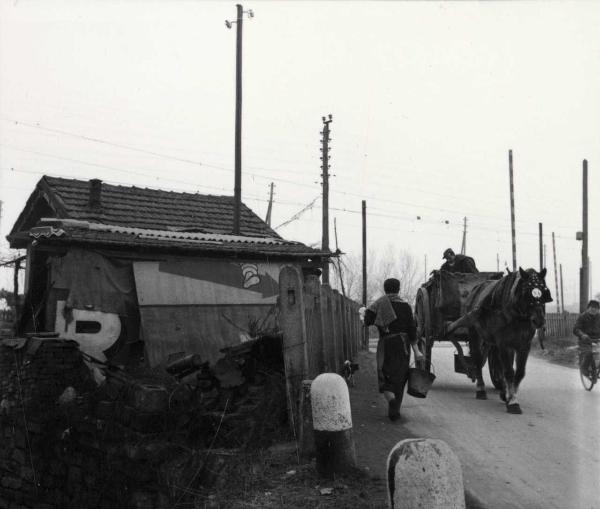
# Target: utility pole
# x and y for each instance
(268, 218)
(237, 189)
(463, 248)
(583, 236)
(497, 262)
(512, 211)
(338, 260)
(562, 297)
(542, 330)
(545, 254)
(364, 252)
(590, 293)
(325, 174)
(541, 236)
(555, 274)
(425, 267)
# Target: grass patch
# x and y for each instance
(273, 478)
(561, 351)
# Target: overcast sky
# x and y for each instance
(427, 99)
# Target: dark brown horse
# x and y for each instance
(502, 317)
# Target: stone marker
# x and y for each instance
(424, 473)
(332, 425)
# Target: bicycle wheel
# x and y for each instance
(588, 379)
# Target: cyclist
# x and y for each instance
(587, 330)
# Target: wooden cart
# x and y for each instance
(439, 305)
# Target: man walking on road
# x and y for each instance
(587, 330)
(397, 329)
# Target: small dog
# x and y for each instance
(348, 370)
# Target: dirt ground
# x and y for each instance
(275, 478)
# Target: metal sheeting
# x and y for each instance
(201, 330)
(202, 306)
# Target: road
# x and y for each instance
(548, 457)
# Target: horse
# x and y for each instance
(503, 316)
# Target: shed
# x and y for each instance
(125, 270)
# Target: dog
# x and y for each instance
(348, 370)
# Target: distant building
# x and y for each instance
(125, 270)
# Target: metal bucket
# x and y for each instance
(458, 367)
(419, 382)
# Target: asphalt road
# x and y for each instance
(548, 457)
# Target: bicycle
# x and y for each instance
(589, 379)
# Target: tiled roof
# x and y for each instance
(154, 209)
(61, 231)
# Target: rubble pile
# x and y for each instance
(144, 438)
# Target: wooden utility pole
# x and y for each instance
(512, 211)
(364, 252)
(325, 174)
(562, 297)
(545, 263)
(541, 237)
(584, 273)
(463, 248)
(555, 274)
(340, 273)
(237, 189)
(365, 337)
(270, 207)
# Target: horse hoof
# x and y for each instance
(481, 395)
(514, 409)
(503, 396)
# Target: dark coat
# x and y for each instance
(462, 263)
(587, 324)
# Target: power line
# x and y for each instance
(226, 169)
(298, 214)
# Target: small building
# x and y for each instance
(128, 271)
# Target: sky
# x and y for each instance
(427, 99)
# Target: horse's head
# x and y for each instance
(531, 295)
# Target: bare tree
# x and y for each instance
(381, 265)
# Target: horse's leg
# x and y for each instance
(475, 349)
(512, 405)
(521, 362)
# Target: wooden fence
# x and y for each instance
(6, 315)
(321, 329)
(560, 324)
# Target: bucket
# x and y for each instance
(458, 367)
(419, 382)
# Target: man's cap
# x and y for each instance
(593, 303)
(448, 253)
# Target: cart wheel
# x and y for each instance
(423, 318)
(495, 370)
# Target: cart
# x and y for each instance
(439, 308)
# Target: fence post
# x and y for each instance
(328, 334)
(306, 436)
(292, 321)
(343, 328)
(339, 345)
(314, 326)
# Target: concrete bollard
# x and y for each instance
(332, 425)
(424, 473)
